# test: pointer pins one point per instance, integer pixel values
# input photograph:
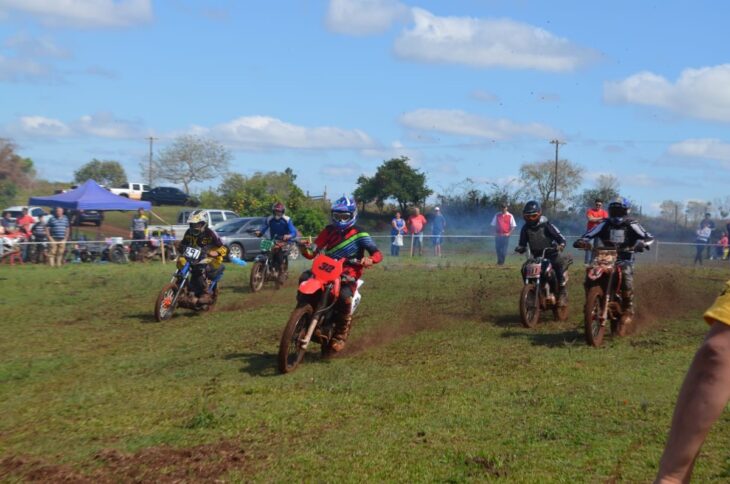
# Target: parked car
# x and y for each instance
(169, 196)
(17, 211)
(214, 217)
(238, 236)
(130, 190)
(79, 217)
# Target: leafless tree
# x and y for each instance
(190, 159)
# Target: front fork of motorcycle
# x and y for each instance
(304, 342)
(604, 316)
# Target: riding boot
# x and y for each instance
(343, 323)
(627, 311)
(562, 296)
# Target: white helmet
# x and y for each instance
(197, 222)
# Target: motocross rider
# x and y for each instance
(280, 227)
(199, 235)
(343, 239)
(538, 234)
(627, 236)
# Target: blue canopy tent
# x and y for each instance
(89, 196)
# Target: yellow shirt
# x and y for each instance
(720, 310)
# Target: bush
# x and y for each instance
(310, 220)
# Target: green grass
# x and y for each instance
(441, 383)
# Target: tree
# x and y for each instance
(16, 172)
(104, 172)
(539, 180)
(256, 194)
(394, 179)
(607, 187)
(696, 210)
(191, 159)
(671, 210)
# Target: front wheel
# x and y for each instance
(529, 305)
(593, 313)
(166, 302)
(290, 351)
(257, 276)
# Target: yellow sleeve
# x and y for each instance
(720, 309)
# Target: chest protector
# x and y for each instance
(538, 239)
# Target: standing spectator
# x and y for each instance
(40, 238)
(438, 228)
(708, 223)
(721, 246)
(398, 227)
(7, 223)
(503, 223)
(594, 215)
(701, 241)
(24, 223)
(138, 231)
(57, 231)
(702, 398)
(417, 223)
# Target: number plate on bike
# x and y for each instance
(532, 270)
(192, 252)
(266, 245)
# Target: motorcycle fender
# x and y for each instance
(594, 273)
(310, 286)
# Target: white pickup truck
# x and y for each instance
(131, 190)
(212, 216)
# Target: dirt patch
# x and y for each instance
(203, 463)
(662, 294)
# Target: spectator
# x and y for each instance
(138, 231)
(594, 215)
(708, 223)
(503, 223)
(398, 227)
(40, 238)
(721, 246)
(701, 241)
(57, 232)
(417, 223)
(24, 223)
(439, 226)
(7, 223)
(702, 398)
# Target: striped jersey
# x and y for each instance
(348, 244)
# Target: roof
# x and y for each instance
(89, 196)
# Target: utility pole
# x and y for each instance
(149, 178)
(557, 144)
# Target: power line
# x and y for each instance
(151, 140)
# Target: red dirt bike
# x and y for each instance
(603, 294)
(540, 291)
(312, 319)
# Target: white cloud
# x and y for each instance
(340, 171)
(364, 17)
(703, 148)
(702, 93)
(14, 69)
(456, 122)
(488, 43)
(484, 96)
(28, 46)
(263, 132)
(83, 13)
(101, 125)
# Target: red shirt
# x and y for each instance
(24, 223)
(417, 222)
(594, 213)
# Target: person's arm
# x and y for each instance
(67, 233)
(522, 244)
(512, 224)
(292, 230)
(642, 233)
(555, 234)
(702, 398)
(494, 221)
(368, 244)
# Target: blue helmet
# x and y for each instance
(344, 212)
(618, 208)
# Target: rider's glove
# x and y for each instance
(561, 247)
(213, 253)
(520, 250)
(257, 233)
(581, 244)
(640, 246)
(366, 262)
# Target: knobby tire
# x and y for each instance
(168, 290)
(529, 316)
(290, 355)
(592, 314)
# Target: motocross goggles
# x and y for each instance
(532, 217)
(342, 216)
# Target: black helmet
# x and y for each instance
(618, 209)
(532, 212)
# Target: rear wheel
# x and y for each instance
(283, 273)
(165, 304)
(592, 316)
(529, 306)
(257, 276)
(290, 351)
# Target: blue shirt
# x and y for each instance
(58, 226)
(280, 227)
(439, 223)
(400, 223)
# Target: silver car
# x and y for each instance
(238, 235)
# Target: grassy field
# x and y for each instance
(439, 383)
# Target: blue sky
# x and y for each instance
(471, 89)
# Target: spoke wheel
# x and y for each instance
(164, 307)
(290, 352)
(529, 306)
(592, 316)
(257, 276)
